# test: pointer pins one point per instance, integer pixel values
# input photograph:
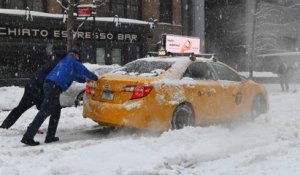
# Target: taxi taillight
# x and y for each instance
(138, 91)
(90, 86)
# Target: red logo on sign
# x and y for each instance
(86, 11)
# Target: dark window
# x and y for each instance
(103, 10)
(199, 70)
(133, 10)
(143, 67)
(222, 3)
(35, 5)
(166, 12)
(118, 7)
(225, 73)
(14, 4)
(125, 8)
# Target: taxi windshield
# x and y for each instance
(144, 68)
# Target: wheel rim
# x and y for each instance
(258, 107)
(183, 116)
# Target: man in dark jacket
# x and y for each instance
(69, 69)
(283, 76)
(33, 94)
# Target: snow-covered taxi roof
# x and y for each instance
(176, 59)
(180, 63)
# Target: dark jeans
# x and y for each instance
(27, 101)
(284, 83)
(50, 106)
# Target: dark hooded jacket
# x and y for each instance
(35, 84)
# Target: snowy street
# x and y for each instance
(269, 145)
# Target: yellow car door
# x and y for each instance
(204, 88)
(232, 93)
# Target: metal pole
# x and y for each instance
(94, 30)
(70, 25)
(252, 46)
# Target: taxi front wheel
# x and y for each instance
(183, 116)
(258, 106)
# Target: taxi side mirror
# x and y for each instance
(192, 57)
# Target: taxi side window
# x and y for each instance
(225, 73)
(199, 70)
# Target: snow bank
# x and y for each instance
(267, 145)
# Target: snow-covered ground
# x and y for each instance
(270, 145)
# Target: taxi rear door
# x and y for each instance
(203, 94)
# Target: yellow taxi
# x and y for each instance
(171, 92)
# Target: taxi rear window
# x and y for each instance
(146, 68)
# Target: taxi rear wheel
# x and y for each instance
(258, 106)
(79, 98)
(183, 116)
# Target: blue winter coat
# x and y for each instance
(69, 69)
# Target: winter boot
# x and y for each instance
(53, 139)
(4, 126)
(29, 142)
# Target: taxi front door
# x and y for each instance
(231, 91)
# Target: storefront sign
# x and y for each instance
(84, 12)
(46, 33)
(182, 44)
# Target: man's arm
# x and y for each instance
(84, 73)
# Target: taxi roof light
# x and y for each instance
(191, 55)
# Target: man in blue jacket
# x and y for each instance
(69, 69)
(33, 94)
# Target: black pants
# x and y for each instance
(284, 83)
(29, 99)
(50, 106)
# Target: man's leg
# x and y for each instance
(287, 84)
(38, 120)
(53, 121)
(25, 103)
(44, 112)
(281, 79)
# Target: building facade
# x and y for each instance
(34, 31)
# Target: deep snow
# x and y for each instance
(269, 145)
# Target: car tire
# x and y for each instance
(183, 116)
(79, 98)
(258, 106)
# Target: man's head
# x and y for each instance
(75, 51)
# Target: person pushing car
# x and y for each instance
(69, 69)
(33, 94)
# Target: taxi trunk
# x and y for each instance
(122, 100)
(120, 89)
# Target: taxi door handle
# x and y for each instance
(211, 92)
(236, 94)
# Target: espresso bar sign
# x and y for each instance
(45, 33)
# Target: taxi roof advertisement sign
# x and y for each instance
(182, 44)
